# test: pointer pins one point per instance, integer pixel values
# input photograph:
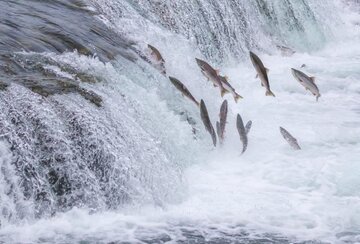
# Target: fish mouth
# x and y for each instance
(253, 58)
(200, 63)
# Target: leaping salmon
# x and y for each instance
(261, 73)
(229, 88)
(211, 74)
(159, 60)
(290, 139)
(206, 120)
(242, 132)
(248, 126)
(307, 82)
(222, 123)
(182, 88)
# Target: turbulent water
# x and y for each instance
(97, 146)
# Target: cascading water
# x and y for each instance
(225, 29)
(96, 145)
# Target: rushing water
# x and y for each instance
(97, 146)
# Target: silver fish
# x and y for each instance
(248, 126)
(290, 139)
(222, 124)
(182, 88)
(261, 73)
(285, 51)
(206, 120)
(211, 74)
(307, 82)
(159, 61)
(229, 88)
(242, 132)
(218, 131)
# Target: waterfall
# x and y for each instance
(88, 124)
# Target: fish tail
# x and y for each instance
(244, 148)
(269, 93)
(223, 92)
(317, 97)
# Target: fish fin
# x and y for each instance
(237, 97)
(217, 71)
(223, 92)
(256, 76)
(261, 84)
(317, 97)
(269, 93)
(267, 70)
(226, 78)
(312, 79)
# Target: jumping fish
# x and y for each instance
(307, 82)
(159, 61)
(211, 74)
(229, 88)
(206, 120)
(223, 116)
(248, 126)
(242, 132)
(285, 51)
(182, 88)
(261, 73)
(218, 131)
(290, 139)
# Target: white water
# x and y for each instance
(312, 194)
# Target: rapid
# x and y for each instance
(97, 146)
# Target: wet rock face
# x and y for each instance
(47, 26)
(43, 26)
(48, 141)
